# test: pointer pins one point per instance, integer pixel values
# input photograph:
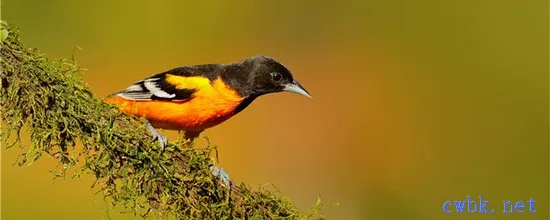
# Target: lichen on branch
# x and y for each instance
(49, 99)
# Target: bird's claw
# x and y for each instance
(156, 135)
(220, 173)
(216, 171)
(162, 141)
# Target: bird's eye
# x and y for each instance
(276, 76)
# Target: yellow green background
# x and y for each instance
(415, 102)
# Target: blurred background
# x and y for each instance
(415, 102)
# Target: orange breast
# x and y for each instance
(212, 104)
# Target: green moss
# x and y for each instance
(51, 101)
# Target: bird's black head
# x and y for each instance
(266, 75)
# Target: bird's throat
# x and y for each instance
(247, 101)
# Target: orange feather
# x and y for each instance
(211, 104)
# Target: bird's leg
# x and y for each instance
(156, 135)
(220, 173)
(191, 136)
(217, 171)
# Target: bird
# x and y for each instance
(193, 98)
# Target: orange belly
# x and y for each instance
(196, 114)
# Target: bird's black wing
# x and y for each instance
(155, 88)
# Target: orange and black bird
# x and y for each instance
(194, 98)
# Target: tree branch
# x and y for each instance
(50, 99)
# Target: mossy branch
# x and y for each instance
(50, 99)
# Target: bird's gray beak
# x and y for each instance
(295, 87)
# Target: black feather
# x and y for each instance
(180, 94)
